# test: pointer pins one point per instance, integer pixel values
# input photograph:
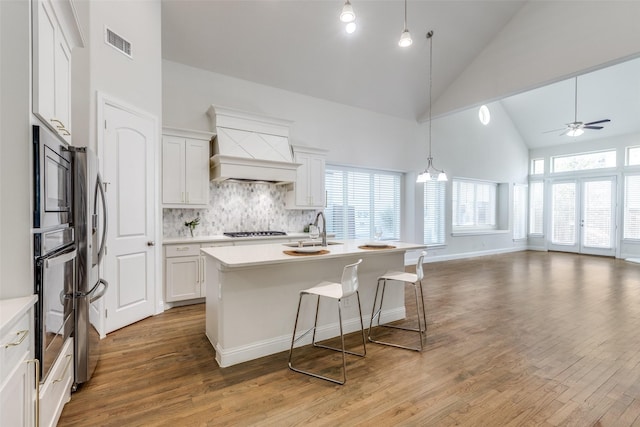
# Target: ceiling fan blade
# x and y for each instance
(593, 127)
(565, 132)
(599, 121)
(554, 130)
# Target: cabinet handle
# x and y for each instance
(201, 270)
(19, 341)
(61, 127)
(184, 248)
(36, 364)
(182, 197)
(66, 368)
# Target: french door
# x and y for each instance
(583, 216)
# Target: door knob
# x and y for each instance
(151, 243)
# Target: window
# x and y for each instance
(434, 193)
(536, 207)
(358, 200)
(631, 207)
(537, 166)
(519, 212)
(474, 205)
(633, 156)
(584, 161)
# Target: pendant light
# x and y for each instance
(405, 37)
(347, 14)
(431, 172)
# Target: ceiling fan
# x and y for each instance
(576, 128)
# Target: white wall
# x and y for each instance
(465, 148)
(16, 277)
(352, 136)
(545, 42)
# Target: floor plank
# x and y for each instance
(528, 338)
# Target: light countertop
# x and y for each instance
(12, 309)
(273, 253)
(225, 239)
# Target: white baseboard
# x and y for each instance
(234, 355)
(464, 255)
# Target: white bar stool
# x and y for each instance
(337, 291)
(401, 277)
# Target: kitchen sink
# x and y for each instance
(307, 243)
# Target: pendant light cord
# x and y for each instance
(405, 15)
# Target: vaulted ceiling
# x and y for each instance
(301, 46)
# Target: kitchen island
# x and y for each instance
(252, 294)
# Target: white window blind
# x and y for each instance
(563, 213)
(434, 199)
(359, 200)
(536, 207)
(474, 205)
(596, 214)
(632, 207)
(519, 211)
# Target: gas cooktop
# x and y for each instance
(254, 233)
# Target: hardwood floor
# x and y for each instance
(529, 338)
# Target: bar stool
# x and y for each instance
(401, 277)
(337, 291)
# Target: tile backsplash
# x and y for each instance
(238, 207)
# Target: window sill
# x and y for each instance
(477, 232)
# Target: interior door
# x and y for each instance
(129, 262)
(583, 216)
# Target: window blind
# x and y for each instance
(359, 200)
(596, 215)
(536, 207)
(519, 211)
(631, 207)
(563, 213)
(433, 209)
(474, 204)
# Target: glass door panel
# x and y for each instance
(563, 216)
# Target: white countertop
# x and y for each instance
(11, 309)
(273, 253)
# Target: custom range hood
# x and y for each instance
(249, 147)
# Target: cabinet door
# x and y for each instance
(62, 90)
(316, 181)
(16, 400)
(173, 174)
(182, 278)
(44, 51)
(197, 171)
(302, 179)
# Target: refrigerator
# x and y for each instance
(89, 213)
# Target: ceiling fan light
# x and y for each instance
(405, 39)
(575, 132)
(350, 28)
(484, 115)
(347, 14)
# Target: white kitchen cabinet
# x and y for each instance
(308, 191)
(185, 168)
(17, 368)
(182, 272)
(55, 34)
(55, 392)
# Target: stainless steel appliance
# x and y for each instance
(90, 223)
(254, 233)
(69, 221)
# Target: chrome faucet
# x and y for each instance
(324, 227)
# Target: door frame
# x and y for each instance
(579, 247)
(103, 100)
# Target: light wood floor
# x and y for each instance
(529, 338)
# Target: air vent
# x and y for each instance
(118, 42)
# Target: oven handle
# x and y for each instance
(60, 259)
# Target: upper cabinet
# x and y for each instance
(55, 34)
(308, 191)
(185, 168)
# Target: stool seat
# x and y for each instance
(401, 278)
(336, 291)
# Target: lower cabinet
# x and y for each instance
(56, 390)
(184, 272)
(18, 398)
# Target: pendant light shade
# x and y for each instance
(431, 173)
(347, 14)
(405, 37)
